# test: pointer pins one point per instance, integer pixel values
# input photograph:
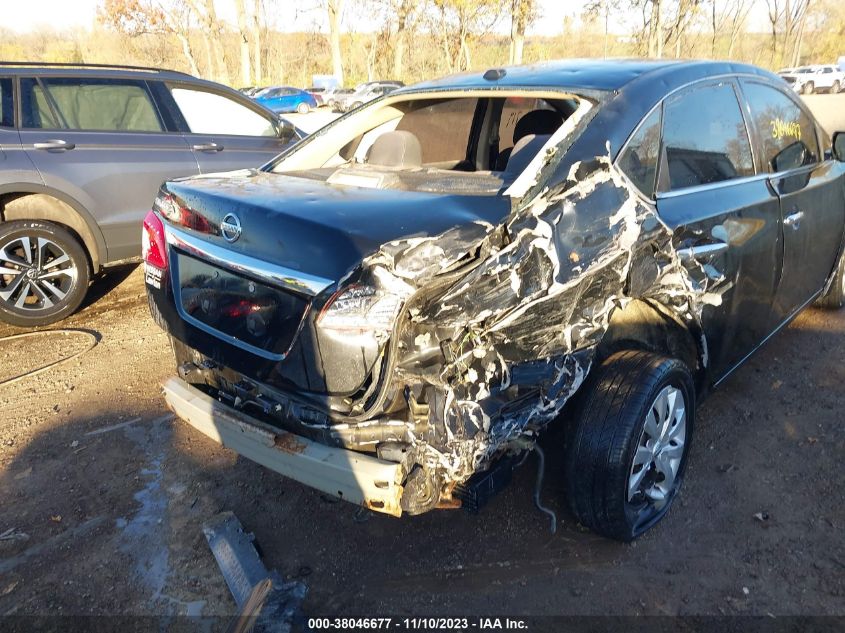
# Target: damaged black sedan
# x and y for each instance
(396, 307)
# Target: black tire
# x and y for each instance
(834, 298)
(303, 108)
(836, 87)
(608, 428)
(64, 287)
(809, 88)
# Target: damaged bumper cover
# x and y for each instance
(355, 477)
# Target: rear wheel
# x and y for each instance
(834, 298)
(44, 273)
(628, 449)
(303, 108)
(836, 87)
(809, 88)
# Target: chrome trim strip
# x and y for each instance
(711, 186)
(287, 278)
(703, 250)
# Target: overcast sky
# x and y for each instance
(29, 15)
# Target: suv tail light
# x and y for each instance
(153, 245)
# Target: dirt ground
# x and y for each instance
(105, 495)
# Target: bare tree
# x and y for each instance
(787, 19)
(523, 14)
(404, 14)
(255, 34)
(459, 22)
(334, 10)
(140, 17)
(728, 16)
(212, 30)
(245, 34)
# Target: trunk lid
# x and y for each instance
(321, 229)
(251, 304)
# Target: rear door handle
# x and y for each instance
(54, 144)
(793, 219)
(694, 252)
(208, 147)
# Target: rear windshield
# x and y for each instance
(471, 144)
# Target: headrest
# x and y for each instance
(537, 122)
(525, 149)
(396, 149)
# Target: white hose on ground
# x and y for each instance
(541, 468)
(34, 372)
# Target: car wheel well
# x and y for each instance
(46, 208)
(650, 327)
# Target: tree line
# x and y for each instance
(359, 40)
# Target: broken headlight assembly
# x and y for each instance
(358, 310)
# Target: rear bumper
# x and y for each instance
(355, 477)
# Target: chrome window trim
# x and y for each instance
(722, 184)
(287, 278)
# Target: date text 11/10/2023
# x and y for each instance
(419, 624)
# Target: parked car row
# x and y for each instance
(283, 99)
(363, 93)
(810, 79)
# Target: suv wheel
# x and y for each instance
(836, 87)
(43, 273)
(834, 298)
(809, 88)
(628, 448)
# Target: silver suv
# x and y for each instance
(83, 151)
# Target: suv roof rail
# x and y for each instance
(84, 65)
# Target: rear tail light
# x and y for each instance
(359, 309)
(153, 245)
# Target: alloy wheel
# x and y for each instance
(35, 273)
(652, 480)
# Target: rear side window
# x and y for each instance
(640, 158)
(211, 113)
(6, 103)
(786, 132)
(442, 127)
(704, 139)
(107, 105)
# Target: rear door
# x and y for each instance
(809, 189)
(724, 218)
(104, 142)
(15, 165)
(226, 132)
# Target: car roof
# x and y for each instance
(105, 71)
(589, 74)
(91, 70)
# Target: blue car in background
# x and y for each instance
(286, 99)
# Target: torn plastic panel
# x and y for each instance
(500, 326)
